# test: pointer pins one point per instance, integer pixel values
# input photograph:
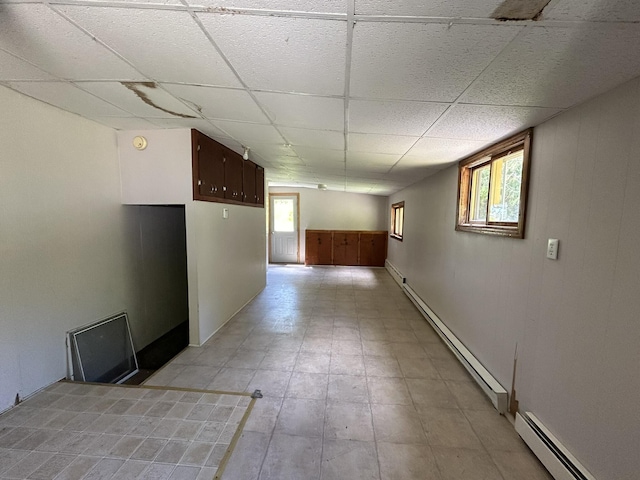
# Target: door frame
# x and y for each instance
(297, 195)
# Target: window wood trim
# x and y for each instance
(488, 155)
(394, 209)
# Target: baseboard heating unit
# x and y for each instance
(557, 459)
(395, 273)
(496, 392)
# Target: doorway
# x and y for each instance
(284, 219)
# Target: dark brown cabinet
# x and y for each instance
(342, 247)
(221, 175)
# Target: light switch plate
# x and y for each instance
(552, 248)
(225, 213)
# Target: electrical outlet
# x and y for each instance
(552, 248)
(225, 213)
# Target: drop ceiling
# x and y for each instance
(365, 96)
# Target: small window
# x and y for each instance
(492, 188)
(397, 220)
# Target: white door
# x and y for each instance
(284, 228)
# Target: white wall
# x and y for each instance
(330, 210)
(574, 320)
(63, 239)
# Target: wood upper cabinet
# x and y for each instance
(259, 185)
(373, 249)
(208, 166)
(249, 182)
(232, 175)
(341, 247)
(221, 175)
(345, 248)
(318, 247)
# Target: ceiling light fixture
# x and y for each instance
(245, 155)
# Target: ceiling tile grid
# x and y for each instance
(428, 83)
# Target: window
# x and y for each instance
(397, 220)
(492, 188)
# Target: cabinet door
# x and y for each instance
(373, 249)
(259, 185)
(232, 175)
(249, 181)
(317, 248)
(210, 164)
(345, 248)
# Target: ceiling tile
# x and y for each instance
(438, 151)
(393, 118)
(293, 110)
(578, 63)
(413, 61)
(166, 45)
(272, 150)
(319, 154)
(432, 8)
(314, 138)
(27, 31)
(220, 103)
(16, 69)
(247, 133)
(131, 99)
(378, 159)
(199, 124)
(488, 123)
(396, 144)
(319, 6)
(283, 54)
(594, 10)
(125, 123)
(69, 98)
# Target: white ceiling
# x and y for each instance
(362, 95)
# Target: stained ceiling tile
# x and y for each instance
(487, 123)
(220, 103)
(319, 6)
(393, 118)
(26, 30)
(13, 68)
(395, 144)
(69, 98)
(413, 61)
(432, 8)
(293, 110)
(166, 45)
(140, 99)
(247, 133)
(439, 151)
(199, 124)
(314, 138)
(594, 10)
(578, 63)
(283, 54)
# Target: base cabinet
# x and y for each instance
(345, 247)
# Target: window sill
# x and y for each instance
(502, 231)
(397, 237)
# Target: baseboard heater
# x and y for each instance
(496, 392)
(553, 455)
(395, 273)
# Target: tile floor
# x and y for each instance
(356, 384)
(77, 431)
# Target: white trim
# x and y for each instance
(553, 455)
(496, 392)
(395, 273)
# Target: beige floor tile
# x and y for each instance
(406, 462)
(301, 417)
(271, 383)
(231, 380)
(346, 347)
(264, 415)
(376, 366)
(430, 393)
(347, 365)
(397, 424)
(465, 464)
(292, 458)
(279, 360)
(520, 465)
(307, 385)
(348, 388)
(469, 395)
(349, 459)
(495, 431)
(388, 391)
(448, 427)
(245, 358)
(417, 367)
(451, 369)
(309, 362)
(379, 348)
(348, 421)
